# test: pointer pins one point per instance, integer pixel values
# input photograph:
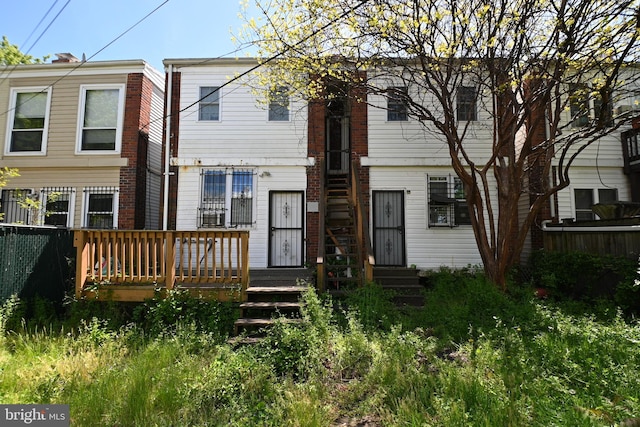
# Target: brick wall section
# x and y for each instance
(137, 114)
(536, 130)
(316, 148)
(175, 132)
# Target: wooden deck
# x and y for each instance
(134, 265)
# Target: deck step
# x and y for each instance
(274, 305)
(276, 289)
(253, 321)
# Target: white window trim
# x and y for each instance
(228, 197)
(119, 123)
(85, 204)
(11, 117)
(72, 203)
(289, 102)
(219, 86)
(595, 194)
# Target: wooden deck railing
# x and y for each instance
(132, 265)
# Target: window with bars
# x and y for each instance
(58, 206)
(396, 104)
(227, 198)
(209, 105)
(11, 208)
(279, 104)
(100, 207)
(447, 203)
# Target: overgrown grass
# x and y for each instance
(472, 356)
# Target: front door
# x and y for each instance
(388, 228)
(286, 220)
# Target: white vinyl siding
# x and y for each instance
(243, 124)
(426, 247)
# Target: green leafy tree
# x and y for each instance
(10, 54)
(521, 57)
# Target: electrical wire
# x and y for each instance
(260, 64)
(38, 39)
(80, 64)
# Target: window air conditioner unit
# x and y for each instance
(215, 219)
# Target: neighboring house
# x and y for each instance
(276, 168)
(86, 138)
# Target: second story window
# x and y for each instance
(279, 105)
(101, 112)
(585, 104)
(28, 121)
(396, 104)
(466, 105)
(209, 108)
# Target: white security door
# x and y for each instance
(286, 220)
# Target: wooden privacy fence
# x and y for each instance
(605, 240)
(131, 265)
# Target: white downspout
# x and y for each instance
(167, 151)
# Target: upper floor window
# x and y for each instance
(466, 103)
(227, 198)
(447, 203)
(585, 198)
(396, 104)
(28, 121)
(100, 208)
(100, 123)
(209, 108)
(279, 105)
(585, 104)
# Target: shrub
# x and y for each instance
(587, 277)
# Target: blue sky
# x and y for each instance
(179, 29)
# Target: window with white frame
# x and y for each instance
(586, 104)
(209, 105)
(396, 104)
(226, 198)
(100, 207)
(466, 103)
(585, 198)
(58, 206)
(12, 207)
(100, 121)
(447, 203)
(28, 121)
(279, 104)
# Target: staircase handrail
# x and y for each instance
(320, 267)
(362, 226)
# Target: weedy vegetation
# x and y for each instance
(472, 356)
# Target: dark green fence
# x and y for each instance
(35, 261)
